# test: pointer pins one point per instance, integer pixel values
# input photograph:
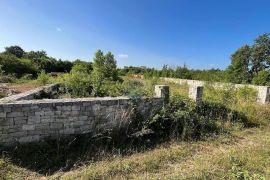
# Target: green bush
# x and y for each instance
(133, 88)
(43, 78)
(262, 78)
(13, 65)
(10, 78)
(78, 84)
(111, 88)
(183, 118)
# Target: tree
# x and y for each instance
(104, 69)
(167, 71)
(110, 67)
(88, 65)
(13, 65)
(260, 54)
(238, 71)
(99, 71)
(36, 55)
(182, 72)
(15, 50)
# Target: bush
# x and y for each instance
(111, 88)
(183, 118)
(7, 78)
(78, 83)
(133, 88)
(43, 78)
(262, 78)
(13, 65)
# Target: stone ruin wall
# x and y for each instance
(24, 121)
(263, 92)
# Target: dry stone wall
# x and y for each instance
(263, 95)
(32, 94)
(33, 120)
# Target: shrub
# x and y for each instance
(13, 65)
(183, 118)
(133, 88)
(79, 84)
(10, 78)
(43, 78)
(111, 88)
(262, 78)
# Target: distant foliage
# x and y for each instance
(251, 63)
(15, 60)
(15, 50)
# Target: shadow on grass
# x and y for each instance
(63, 154)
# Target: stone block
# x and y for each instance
(14, 114)
(28, 127)
(27, 139)
(56, 125)
(3, 114)
(75, 108)
(196, 93)
(162, 91)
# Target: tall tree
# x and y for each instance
(15, 50)
(238, 71)
(110, 67)
(260, 54)
(99, 71)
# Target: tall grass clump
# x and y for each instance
(229, 95)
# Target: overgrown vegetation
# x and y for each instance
(187, 129)
(249, 64)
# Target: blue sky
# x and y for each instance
(200, 33)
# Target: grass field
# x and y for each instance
(240, 153)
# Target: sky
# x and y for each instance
(201, 34)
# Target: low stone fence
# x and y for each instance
(32, 94)
(263, 92)
(33, 120)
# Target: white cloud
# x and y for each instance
(123, 56)
(58, 29)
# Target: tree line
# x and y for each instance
(14, 60)
(249, 64)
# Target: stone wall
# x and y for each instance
(263, 95)
(32, 94)
(33, 120)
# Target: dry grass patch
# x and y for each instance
(245, 154)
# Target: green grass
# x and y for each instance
(233, 156)
(237, 153)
